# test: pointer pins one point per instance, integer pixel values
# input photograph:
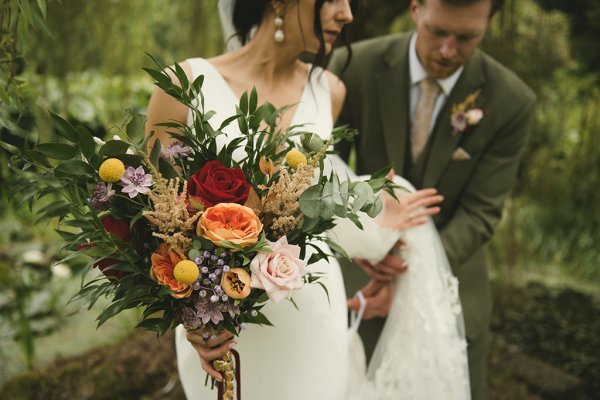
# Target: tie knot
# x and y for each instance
(429, 86)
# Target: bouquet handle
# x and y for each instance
(225, 388)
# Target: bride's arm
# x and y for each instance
(164, 108)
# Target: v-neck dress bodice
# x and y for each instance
(313, 110)
(305, 355)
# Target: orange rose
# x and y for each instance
(163, 264)
(232, 222)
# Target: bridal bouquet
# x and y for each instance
(200, 232)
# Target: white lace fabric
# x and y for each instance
(421, 353)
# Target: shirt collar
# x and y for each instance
(418, 73)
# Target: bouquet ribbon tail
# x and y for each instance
(225, 388)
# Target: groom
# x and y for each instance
(447, 116)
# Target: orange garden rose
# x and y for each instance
(163, 264)
(231, 222)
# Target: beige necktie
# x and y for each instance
(420, 130)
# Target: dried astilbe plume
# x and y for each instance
(170, 214)
(282, 200)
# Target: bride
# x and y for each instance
(309, 352)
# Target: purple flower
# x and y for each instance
(136, 181)
(190, 318)
(209, 312)
(175, 150)
(100, 196)
(459, 121)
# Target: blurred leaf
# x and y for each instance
(136, 128)
(114, 148)
(57, 151)
(63, 128)
(74, 167)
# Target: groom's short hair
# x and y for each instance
(496, 4)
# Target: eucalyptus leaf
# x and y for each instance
(375, 208)
(310, 202)
(194, 253)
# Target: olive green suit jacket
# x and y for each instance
(474, 189)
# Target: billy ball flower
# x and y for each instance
(294, 158)
(111, 170)
(162, 271)
(186, 272)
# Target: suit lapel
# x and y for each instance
(393, 93)
(444, 142)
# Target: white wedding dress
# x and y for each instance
(305, 356)
(310, 353)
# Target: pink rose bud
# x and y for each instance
(474, 116)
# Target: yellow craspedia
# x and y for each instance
(111, 170)
(186, 272)
(294, 158)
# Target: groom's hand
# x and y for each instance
(378, 296)
(388, 268)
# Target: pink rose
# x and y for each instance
(279, 272)
(474, 116)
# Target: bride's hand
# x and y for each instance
(390, 266)
(409, 209)
(211, 349)
(378, 296)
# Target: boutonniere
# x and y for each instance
(465, 114)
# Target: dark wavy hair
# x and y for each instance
(496, 4)
(249, 13)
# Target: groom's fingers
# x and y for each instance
(373, 271)
(353, 304)
(379, 304)
(392, 265)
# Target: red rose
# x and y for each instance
(117, 227)
(213, 184)
(104, 264)
(121, 230)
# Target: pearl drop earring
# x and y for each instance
(278, 22)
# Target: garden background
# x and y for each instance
(83, 60)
